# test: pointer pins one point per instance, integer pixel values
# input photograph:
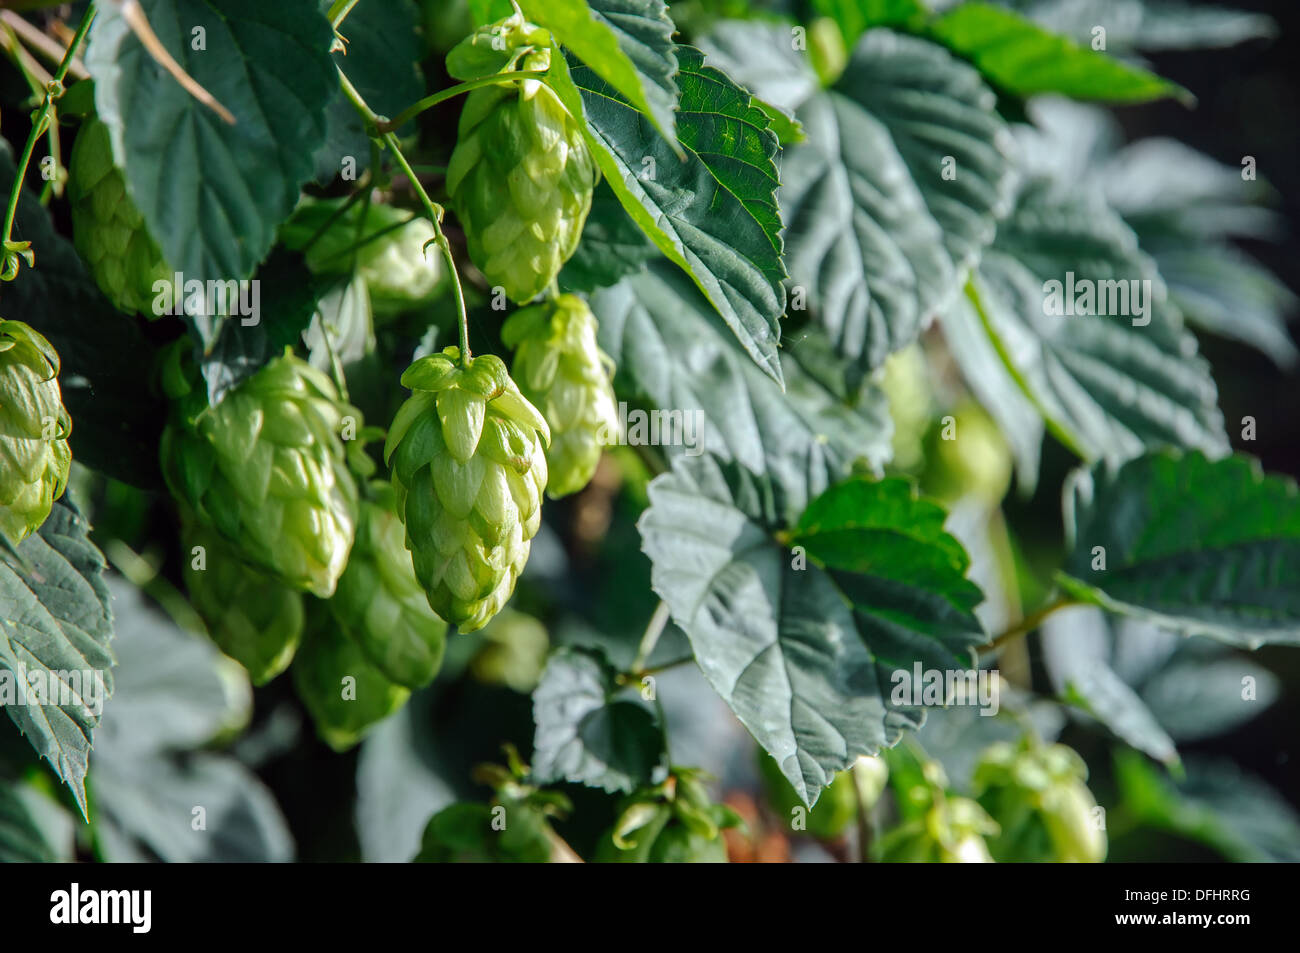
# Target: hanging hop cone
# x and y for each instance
(521, 175)
(34, 427)
(561, 370)
(265, 469)
(107, 229)
(250, 616)
(1038, 796)
(467, 452)
(379, 603)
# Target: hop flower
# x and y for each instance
(952, 831)
(469, 467)
(562, 370)
(344, 693)
(673, 822)
(107, 229)
(265, 469)
(521, 175)
(252, 618)
(379, 603)
(34, 427)
(1038, 796)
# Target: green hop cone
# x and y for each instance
(467, 452)
(1038, 796)
(670, 823)
(521, 175)
(107, 228)
(252, 618)
(379, 603)
(342, 691)
(561, 369)
(34, 427)
(829, 817)
(266, 470)
(384, 245)
(952, 831)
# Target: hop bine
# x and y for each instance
(34, 428)
(521, 175)
(467, 452)
(107, 229)
(561, 369)
(265, 469)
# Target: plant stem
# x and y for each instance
(1030, 622)
(650, 638)
(434, 210)
(339, 11)
(42, 118)
(428, 102)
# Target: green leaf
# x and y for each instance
(382, 61)
(56, 623)
(714, 214)
(1148, 24)
(627, 43)
(855, 17)
(211, 193)
(587, 735)
(612, 246)
(102, 353)
(674, 354)
(1205, 547)
(1108, 385)
(1022, 58)
(471, 833)
(22, 840)
(803, 643)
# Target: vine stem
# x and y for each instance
(339, 12)
(434, 210)
(428, 102)
(1030, 622)
(42, 118)
(650, 638)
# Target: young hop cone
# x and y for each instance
(467, 452)
(342, 691)
(952, 831)
(265, 469)
(379, 603)
(250, 616)
(107, 229)
(1038, 796)
(521, 175)
(34, 427)
(561, 369)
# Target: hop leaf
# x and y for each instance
(379, 603)
(107, 229)
(34, 427)
(467, 453)
(1038, 796)
(521, 175)
(265, 469)
(561, 369)
(252, 618)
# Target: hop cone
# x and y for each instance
(561, 369)
(250, 617)
(1038, 797)
(952, 831)
(379, 602)
(34, 454)
(521, 176)
(469, 468)
(671, 823)
(344, 693)
(265, 469)
(107, 228)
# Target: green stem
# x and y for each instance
(650, 638)
(42, 118)
(1030, 622)
(428, 102)
(434, 210)
(339, 12)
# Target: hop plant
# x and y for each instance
(34, 427)
(952, 831)
(671, 823)
(107, 229)
(342, 691)
(252, 618)
(265, 469)
(561, 369)
(1038, 796)
(379, 603)
(521, 175)
(467, 452)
